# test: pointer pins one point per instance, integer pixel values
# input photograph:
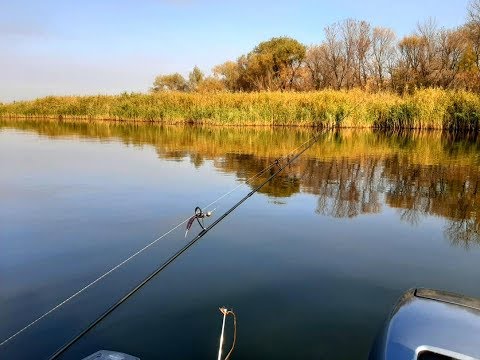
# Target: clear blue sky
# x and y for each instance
(109, 46)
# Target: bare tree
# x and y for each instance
(452, 46)
(473, 27)
(429, 61)
(474, 11)
(316, 62)
(363, 43)
(383, 53)
(335, 55)
(411, 55)
(349, 35)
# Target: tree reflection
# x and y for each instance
(347, 187)
(463, 225)
(351, 172)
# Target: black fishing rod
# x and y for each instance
(181, 251)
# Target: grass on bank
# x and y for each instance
(424, 109)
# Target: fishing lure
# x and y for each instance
(199, 215)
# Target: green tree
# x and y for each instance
(211, 84)
(195, 77)
(170, 82)
(273, 64)
(229, 74)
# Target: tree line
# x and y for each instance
(353, 55)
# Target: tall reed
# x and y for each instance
(424, 109)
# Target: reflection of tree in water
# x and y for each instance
(463, 232)
(450, 191)
(463, 227)
(419, 173)
(285, 184)
(346, 187)
(412, 187)
(357, 183)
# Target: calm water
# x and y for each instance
(311, 265)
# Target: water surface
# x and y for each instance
(311, 265)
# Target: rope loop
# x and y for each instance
(226, 313)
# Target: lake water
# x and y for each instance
(311, 265)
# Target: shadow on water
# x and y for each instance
(351, 172)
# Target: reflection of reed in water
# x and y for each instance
(352, 172)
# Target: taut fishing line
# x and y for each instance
(4, 342)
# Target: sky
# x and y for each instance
(66, 47)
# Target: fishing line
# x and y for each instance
(176, 255)
(143, 249)
(181, 251)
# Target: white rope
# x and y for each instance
(224, 312)
(137, 253)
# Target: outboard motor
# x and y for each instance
(430, 325)
(110, 355)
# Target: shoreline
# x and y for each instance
(207, 124)
(192, 123)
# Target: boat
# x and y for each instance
(429, 324)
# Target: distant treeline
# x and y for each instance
(353, 55)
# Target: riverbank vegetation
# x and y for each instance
(424, 109)
(359, 76)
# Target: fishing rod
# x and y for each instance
(199, 214)
(170, 260)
